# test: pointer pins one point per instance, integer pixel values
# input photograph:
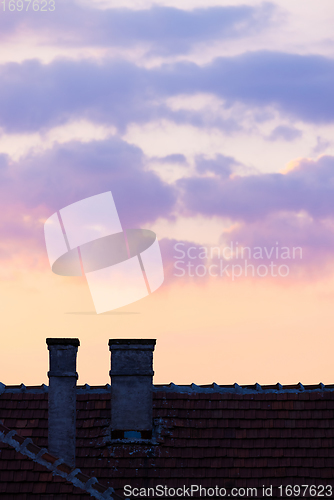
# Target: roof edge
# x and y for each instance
(57, 466)
(242, 389)
(191, 389)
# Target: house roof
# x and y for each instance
(230, 436)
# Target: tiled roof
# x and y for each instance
(17, 476)
(229, 436)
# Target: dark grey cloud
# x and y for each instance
(36, 96)
(166, 30)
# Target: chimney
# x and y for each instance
(131, 388)
(62, 398)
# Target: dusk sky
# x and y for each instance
(212, 124)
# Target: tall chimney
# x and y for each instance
(131, 388)
(62, 398)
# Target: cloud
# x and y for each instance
(315, 237)
(36, 96)
(282, 132)
(69, 172)
(298, 86)
(321, 146)
(3, 162)
(221, 165)
(37, 186)
(73, 171)
(165, 30)
(301, 245)
(308, 188)
(293, 209)
(174, 158)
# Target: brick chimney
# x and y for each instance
(131, 388)
(62, 398)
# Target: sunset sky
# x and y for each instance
(212, 124)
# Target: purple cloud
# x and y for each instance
(73, 171)
(167, 30)
(286, 244)
(299, 86)
(267, 206)
(174, 158)
(36, 96)
(221, 165)
(286, 133)
(314, 236)
(304, 244)
(308, 188)
(321, 146)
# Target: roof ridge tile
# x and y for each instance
(43, 457)
(192, 388)
(106, 495)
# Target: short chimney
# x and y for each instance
(62, 398)
(131, 388)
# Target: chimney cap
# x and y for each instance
(132, 342)
(63, 341)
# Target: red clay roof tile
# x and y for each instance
(224, 438)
